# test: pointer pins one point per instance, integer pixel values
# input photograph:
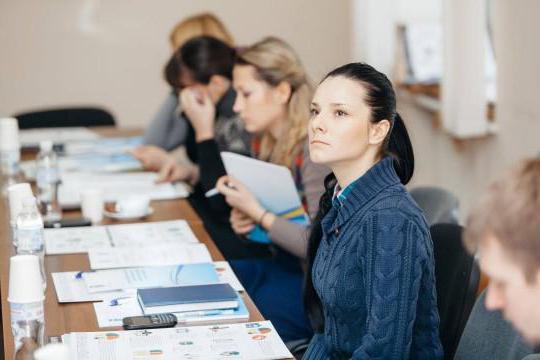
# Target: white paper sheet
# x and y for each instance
(271, 184)
(123, 257)
(254, 341)
(32, 137)
(73, 240)
(116, 186)
(72, 288)
(153, 233)
(153, 276)
(227, 275)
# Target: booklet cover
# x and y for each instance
(187, 298)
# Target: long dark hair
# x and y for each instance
(381, 99)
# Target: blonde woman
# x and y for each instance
(273, 95)
(169, 129)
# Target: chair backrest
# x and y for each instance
(457, 278)
(439, 205)
(65, 117)
(488, 335)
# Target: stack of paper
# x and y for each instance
(254, 341)
(73, 286)
(32, 137)
(116, 290)
(115, 145)
(115, 307)
(80, 239)
(114, 187)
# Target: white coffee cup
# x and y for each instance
(25, 281)
(9, 134)
(133, 205)
(92, 204)
(16, 193)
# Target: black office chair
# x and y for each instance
(65, 117)
(457, 277)
(439, 205)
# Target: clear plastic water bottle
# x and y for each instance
(47, 180)
(30, 234)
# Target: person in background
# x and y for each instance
(503, 230)
(370, 288)
(169, 128)
(273, 94)
(201, 69)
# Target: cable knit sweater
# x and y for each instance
(374, 273)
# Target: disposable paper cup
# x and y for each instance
(9, 134)
(92, 204)
(25, 282)
(16, 193)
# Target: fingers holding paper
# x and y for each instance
(239, 197)
(240, 222)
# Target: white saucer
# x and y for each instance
(120, 216)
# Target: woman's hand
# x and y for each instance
(172, 171)
(239, 197)
(240, 222)
(152, 157)
(200, 110)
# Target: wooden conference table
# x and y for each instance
(64, 318)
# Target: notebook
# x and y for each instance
(187, 298)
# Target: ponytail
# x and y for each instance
(312, 302)
(400, 148)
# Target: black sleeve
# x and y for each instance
(211, 168)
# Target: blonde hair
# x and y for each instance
(205, 24)
(275, 61)
(509, 211)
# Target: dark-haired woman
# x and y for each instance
(370, 289)
(201, 68)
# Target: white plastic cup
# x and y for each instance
(25, 281)
(52, 352)
(92, 204)
(9, 134)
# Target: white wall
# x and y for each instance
(466, 170)
(112, 52)
(375, 24)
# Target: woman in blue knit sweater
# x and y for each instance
(370, 289)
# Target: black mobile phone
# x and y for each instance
(149, 321)
(67, 223)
